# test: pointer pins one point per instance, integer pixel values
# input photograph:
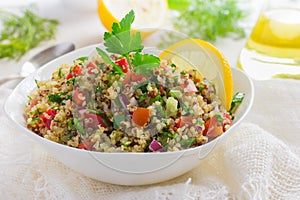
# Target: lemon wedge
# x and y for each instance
(150, 15)
(209, 61)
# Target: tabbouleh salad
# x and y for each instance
(126, 101)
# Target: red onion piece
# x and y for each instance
(124, 100)
(155, 146)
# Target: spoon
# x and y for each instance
(40, 59)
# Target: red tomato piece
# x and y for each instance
(87, 145)
(76, 70)
(161, 89)
(124, 64)
(132, 77)
(141, 116)
(47, 117)
(69, 76)
(184, 120)
(78, 96)
(95, 120)
(190, 87)
(227, 120)
(213, 128)
(92, 67)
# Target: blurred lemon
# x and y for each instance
(149, 14)
(209, 61)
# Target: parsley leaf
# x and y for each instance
(236, 101)
(121, 40)
(58, 98)
(106, 58)
(145, 63)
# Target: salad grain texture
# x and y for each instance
(123, 100)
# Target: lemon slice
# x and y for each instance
(209, 61)
(149, 14)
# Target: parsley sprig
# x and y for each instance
(124, 42)
(20, 33)
(121, 40)
(209, 19)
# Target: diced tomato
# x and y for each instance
(87, 145)
(132, 77)
(76, 70)
(213, 128)
(47, 117)
(51, 113)
(92, 67)
(141, 116)
(184, 120)
(161, 89)
(124, 64)
(33, 102)
(95, 120)
(189, 87)
(69, 76)
(197, 80)
(226, 121)
(78, 96)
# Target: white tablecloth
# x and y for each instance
(259, 160)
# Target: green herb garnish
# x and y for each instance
(36, 83)
(60, 74)
(96, 112)
(144, 63)
(83, 58)
(78, 126)
(208, 19)
(106, 58)
(236, 101)
(187, 142)
(219, 118)
(71, 81)
(22, 33)
(58, 98)
(34, 119)
(121, 41)
(118, 119)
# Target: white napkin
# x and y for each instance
(260, 159)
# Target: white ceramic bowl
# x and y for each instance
(120, 168)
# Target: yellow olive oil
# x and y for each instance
(277, 33)
(274, 45)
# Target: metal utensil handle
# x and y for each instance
(9, 78)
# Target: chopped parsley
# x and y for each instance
(20, 33)
(58, 98)
(208, 19)
(123, 42)
(60, 74)
(236, 101)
